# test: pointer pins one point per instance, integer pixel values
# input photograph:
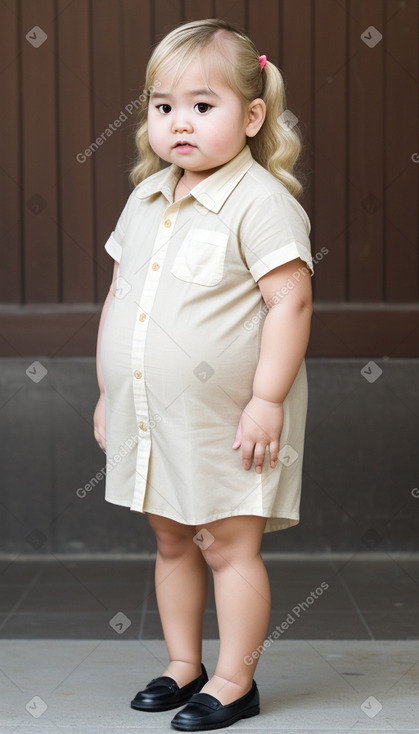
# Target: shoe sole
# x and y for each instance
(160, 708)
(252, 711)
(156, 709)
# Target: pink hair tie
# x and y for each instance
(262, 61)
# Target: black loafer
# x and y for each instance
(163, 693)
(204, 712)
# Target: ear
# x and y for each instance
(256, 115)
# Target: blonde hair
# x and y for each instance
(277, 145)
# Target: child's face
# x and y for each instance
(214, 125)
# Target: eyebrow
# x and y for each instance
(193, 93)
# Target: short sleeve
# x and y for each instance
(275, 231)
(113, 245)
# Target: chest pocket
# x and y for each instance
(201, 257)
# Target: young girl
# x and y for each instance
(201, 350)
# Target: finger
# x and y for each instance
(247, 454)
(238, 439)
(260, 450)
(273, 452)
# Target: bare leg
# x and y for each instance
(243, 601)
(181, 578)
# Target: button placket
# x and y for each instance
(151, 283)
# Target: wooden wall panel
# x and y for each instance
(366, 153)
(41, 238)
(110, 179)
(136, 25)
(166, 15)
(401, 184)
(231, 11)
(264, 27)
(75, 181)
(330, 175)
(357, 106)
(295, 60)
(197, 9)
(11, 285)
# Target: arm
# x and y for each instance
(285, 336)
(99, 414)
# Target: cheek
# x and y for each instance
(154, 127)
(221, 135)
(227, 125)
(150, 127)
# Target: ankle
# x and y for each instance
(226, 690)
(183, 671)
(243, 684)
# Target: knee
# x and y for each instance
(232, 553)
(218, 555)
(235, 542)
(214, 561)
(171, 545)
(173, 539)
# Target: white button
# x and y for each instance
(138, 374)
(167, 222)
(155, 266)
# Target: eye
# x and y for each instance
(204, 105)
(167, 108)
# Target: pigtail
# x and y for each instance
(277, 146)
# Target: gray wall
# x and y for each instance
(359, 478)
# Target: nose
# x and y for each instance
(181, 122)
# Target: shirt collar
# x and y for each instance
(211, 192)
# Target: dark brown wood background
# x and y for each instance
(358, 111)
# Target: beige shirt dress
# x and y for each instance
(180, 346)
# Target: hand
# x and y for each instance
(99, 422)
(260, 426)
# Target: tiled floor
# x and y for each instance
(306, 687)
(79, 638)
(63, 599)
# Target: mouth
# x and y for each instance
(183, 145)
